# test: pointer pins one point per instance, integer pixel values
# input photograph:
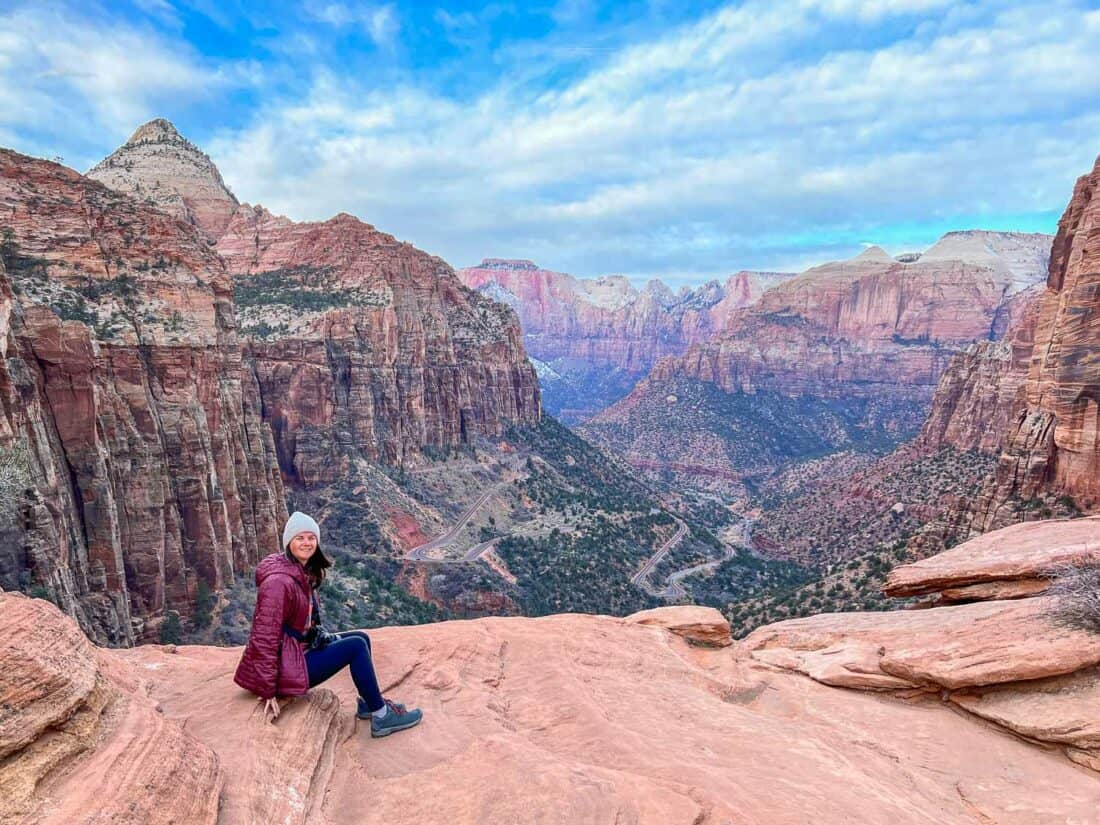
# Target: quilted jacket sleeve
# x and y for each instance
(266, 637)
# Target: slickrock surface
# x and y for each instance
(577, 718)
(607, 321)
(79, 739)
(149, 461)
(159, 165)
(1018, 556)
(1006, 661)
(1054, 444)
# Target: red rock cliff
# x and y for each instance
(606, 321)
(357, 341)
(1053, 445)
(361, 341)
(870, 325)
(150, 467)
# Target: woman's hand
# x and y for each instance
(271, 705)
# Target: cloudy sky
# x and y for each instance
(649, 138)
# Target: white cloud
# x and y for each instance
(58, 70)
(691, 152)
(380, 22)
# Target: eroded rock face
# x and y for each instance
(860, 345)
(1053, 445)
(80, 739)
(377, 346)
(982, 390)
(1009, 562)
(606, 321)
(356, 341)
(150, 465)
(869, 324)
(1004, 658)
(157, 164)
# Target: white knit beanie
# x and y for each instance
(300, 523)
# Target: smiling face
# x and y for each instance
(303, 546)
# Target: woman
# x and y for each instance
(288, 652)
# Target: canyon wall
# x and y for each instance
(360, 344)
(149, 469)
(606, 321)
(1053, 444)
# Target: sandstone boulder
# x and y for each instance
(80, 741)
(1007, 563)
(703, 625)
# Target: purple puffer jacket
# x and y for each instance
(273, 663)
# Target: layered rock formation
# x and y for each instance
(362, 342)
(358, 342)
(868, 737)
(870, 325)
(160, 166)
(982, 390)
(79, 738)
(150, 469)
(606, 321)
(596, 336)
(1053, 445)
(869, 337)
(1003, 656)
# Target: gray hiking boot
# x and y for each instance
(397, 719)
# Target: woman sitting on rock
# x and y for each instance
(288, 651)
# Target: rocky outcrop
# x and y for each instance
(731, 728)
(79, 738)
(1014, 562)
(1053, 444)
(150, 467)
(160, 166)
(1007, 661)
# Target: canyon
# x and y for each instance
(158, 426)
(847, 354)
(593, 338)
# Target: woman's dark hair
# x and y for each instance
(315, 566)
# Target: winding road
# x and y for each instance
(674, 591)
(641, 578)
(420, 553)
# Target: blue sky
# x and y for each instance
(649, 138)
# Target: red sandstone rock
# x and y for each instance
(1019, 555)
(151, 467)
(1053, 445)
(704, 625)
(159, 165)
(606, 321)
(981, 391)
(355, 340)
(81, 742)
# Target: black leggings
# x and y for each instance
(352, 650)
